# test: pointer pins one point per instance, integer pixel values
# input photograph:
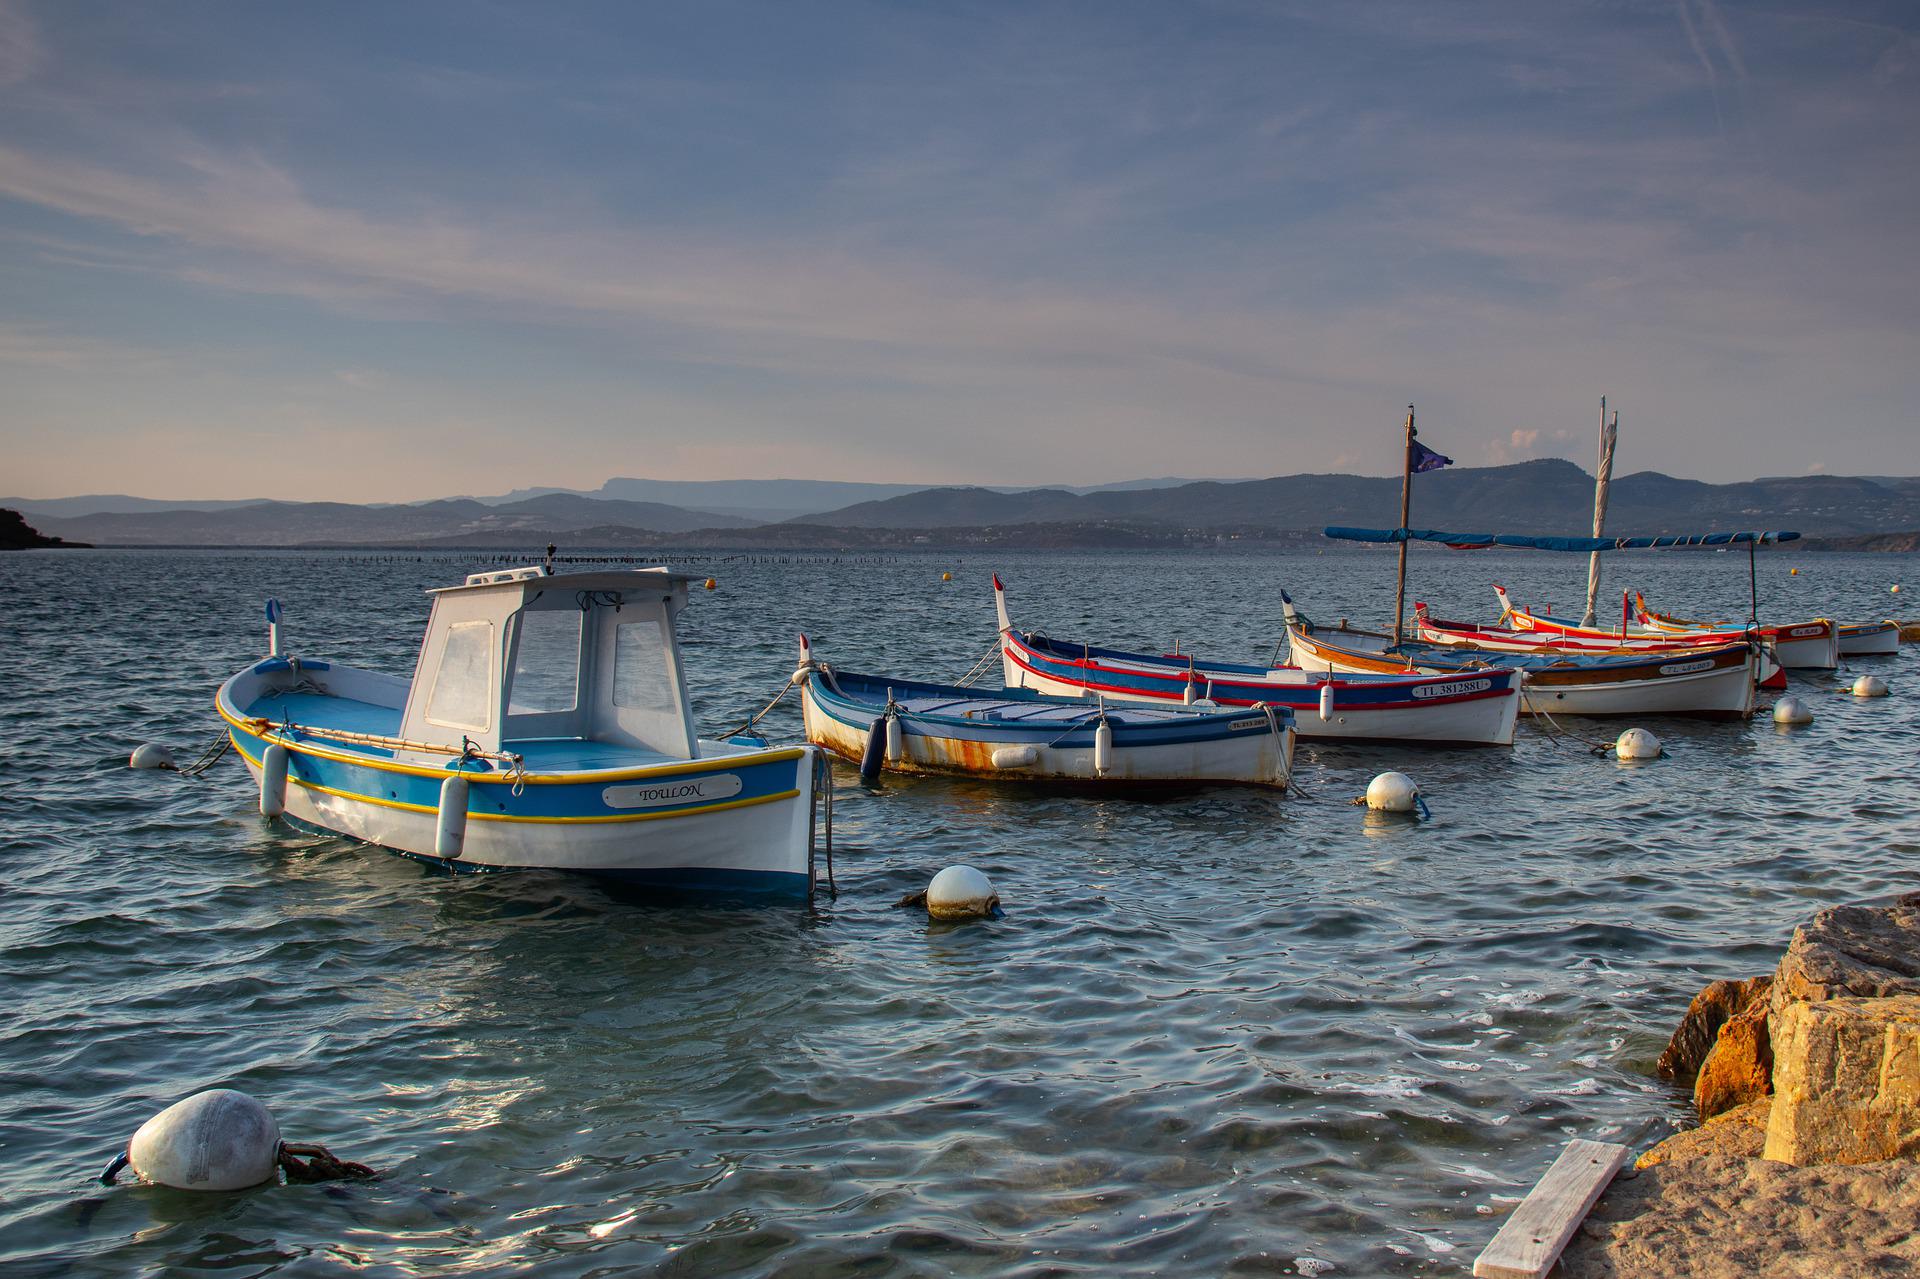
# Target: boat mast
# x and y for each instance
(1406, 502)
(1602, 477)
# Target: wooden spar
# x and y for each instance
(1406, 503)
(1603, 476)
(1537, 1232)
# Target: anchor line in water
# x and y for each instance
(979, 668)
(764, 711)
(215, 751)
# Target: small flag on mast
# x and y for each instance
(1425, 459)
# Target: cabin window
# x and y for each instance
(640, 677)
(463, 687)
(546, 662)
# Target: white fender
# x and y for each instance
(896, 741)
(1326, 702)
(1015, 756)
(1102, 748)
(273, 780)
(450, 836)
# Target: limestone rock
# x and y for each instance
(1852, 950)
(1739, 1067)
(1741, 1132)
(1846, 1081)
(1709, 1011)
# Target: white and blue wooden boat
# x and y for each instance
(1479, 709)
(546, 725)
(913, 727)
(1869, 639)
(1713, 683)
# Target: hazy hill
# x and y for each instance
(117, 504)
(295, 523)
(777, 500)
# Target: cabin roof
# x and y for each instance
(535, 578)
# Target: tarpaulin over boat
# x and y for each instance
(1582, 545)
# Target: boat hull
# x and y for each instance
(738, 822)
(1870, 639)
(1478, 711)
(1241, 749)
(1716, 684)
(1812, 645)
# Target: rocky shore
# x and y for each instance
(1807, 1083)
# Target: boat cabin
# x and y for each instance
(527, 654)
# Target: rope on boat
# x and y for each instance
(823, 786)
(516, 765)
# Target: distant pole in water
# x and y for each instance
(1406, 503)
(1609, 432)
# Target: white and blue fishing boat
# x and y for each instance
(546, 725)
(1016, 734)
(1475, 709)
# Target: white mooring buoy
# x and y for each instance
(220, 1139)
(1791, 710)
(1869, 686)
(153, 755)
(1637, 743)
(960, 892)
(1392, 793)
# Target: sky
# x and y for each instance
(379, 252)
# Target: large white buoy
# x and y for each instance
(1637, 743)
(152, 755)
(1392, 793)
(1869, 686)
(450, 835)
(1791, 710)
(273, 780)
(214, 1140)
(896, 741)
(960, 892)
(1103, 748)
(1326, 702)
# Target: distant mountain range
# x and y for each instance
(1546, 496)
(1551, 495)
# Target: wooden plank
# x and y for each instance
(1531, 1241)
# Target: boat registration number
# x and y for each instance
(1458, 688)
(672, 790)
(1686, 668)
(1239, 724)
(1801, 632)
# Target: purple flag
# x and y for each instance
(1425, 459)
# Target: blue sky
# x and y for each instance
(367, 251)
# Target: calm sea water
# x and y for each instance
(1223, 1033)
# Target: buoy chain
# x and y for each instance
(318, 1164)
